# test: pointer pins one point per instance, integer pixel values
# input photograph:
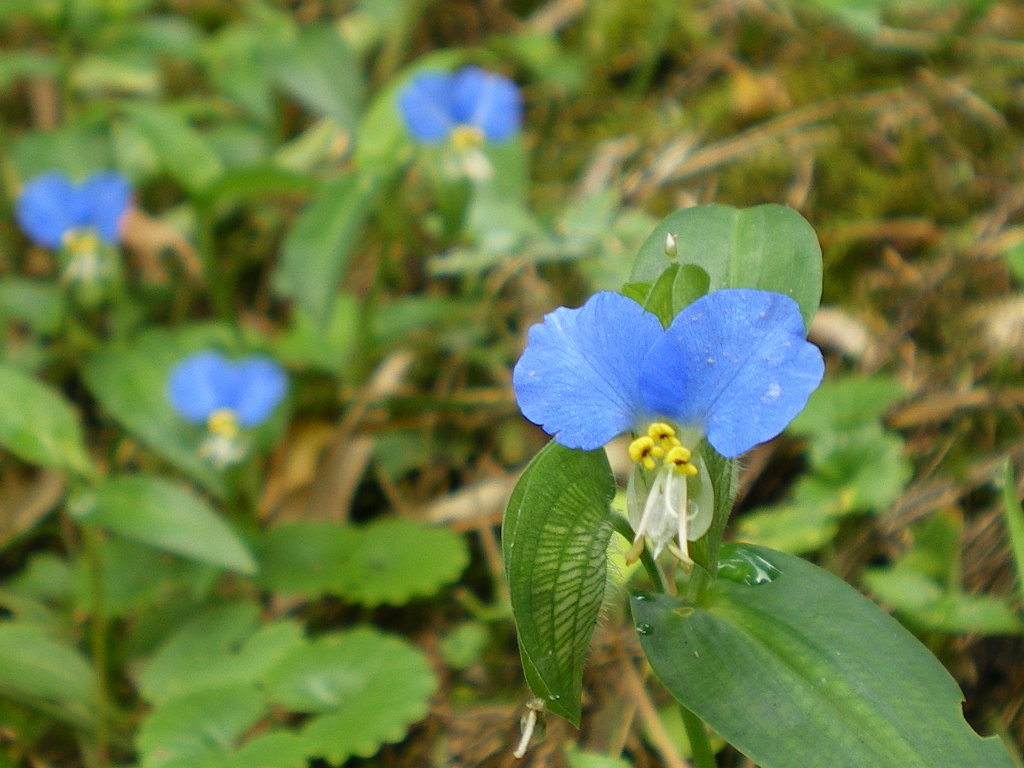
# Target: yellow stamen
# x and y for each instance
(679, 458)
(80, 242)
(644, 450)
(223, 422)
(664, 435)
(465, 137)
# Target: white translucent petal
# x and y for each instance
(701, 495)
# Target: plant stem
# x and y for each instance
(98, 642)
(700, 746)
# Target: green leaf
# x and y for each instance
(321, 71)
(365, 687)
(164, 515)
(40, 669)
(802, 671)
(1014, 522)
(386, 562)
(183, 152)
(39, 304)
(222, 646)
(554, 538)
(767, 247)
(243, 184)
(131, 384)
(316, 250)
(846, 402)
(185, 730)
(38, 425)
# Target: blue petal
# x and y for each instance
(425, 105)
(579, 375)
(262, 384)
(107, 196)
(200, 384)
(487, 100)
(48, 206)
(736, 364)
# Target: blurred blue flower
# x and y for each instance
(465, 107)
(53, 211)
(733, 367)
(207, 388)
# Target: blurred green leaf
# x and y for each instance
(165, 515)
(364, 687)
(384, 562)
(767, 247)
(184, 153)
(39, 304)
(40, 669)
(561, 499)
(38, 425)
(75, 149)
(253, 183)
(464, 644)
(15, 65)
(181, 732)
(846, 402)
(304, 344)
(824, 663)
(322, 73)
(316, 249)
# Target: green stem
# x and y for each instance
(700, 746)
(98, 643)
(624, 529)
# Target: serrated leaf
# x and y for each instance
(183, 152)
(38, 425)
(38, 668)
(165, 515)
(554, 538)
(365, 687)
(183, 731)
(220, 647)
(316, 249)
(802, 671)
(769, 247)
(385, 562)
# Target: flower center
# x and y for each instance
(86, 262)
(224, 423)
(465, 137)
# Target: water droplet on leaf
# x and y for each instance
(745, 565)
(645, 629)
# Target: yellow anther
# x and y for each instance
(645, 451)
(664, 435)
(223, 422)
(465, 137)
(679, 458)
(80, 241)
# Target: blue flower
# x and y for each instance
(52, 210)
(466, 107)
(207, 388)
(732, 368)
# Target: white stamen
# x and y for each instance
(528, 724)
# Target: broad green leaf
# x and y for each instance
(385, 562)
(316, 250)
(183, 152)
(183, 731)
(222, 646)
(243, 184)
(802, 671)
(769, 247)
(271, 749)
(37, 668)
(321, 71)
(74, 149)
(165, 515)
(792, 529)
(15, 65)
(38, 425)
(843, 403)
(131, 385)
(554, 538)
(39, 304)
(364, 687)
(1014, 522)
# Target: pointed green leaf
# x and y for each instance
(40, 669)
(38, 425)
(164, 515)
(768, 247)
(316, 250)
(183, 152)
(554, 537)
(802, 671)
